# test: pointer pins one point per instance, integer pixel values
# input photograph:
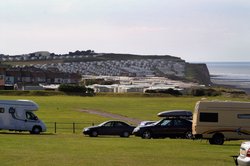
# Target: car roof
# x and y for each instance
(246, 144)
(114, 121)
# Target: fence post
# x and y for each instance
(74, 130)
(55, 127)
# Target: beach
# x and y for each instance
(230, 74)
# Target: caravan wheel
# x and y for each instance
(217, 139)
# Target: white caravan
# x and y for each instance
(17, 115)
(218, 121)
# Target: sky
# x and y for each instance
(194, 30)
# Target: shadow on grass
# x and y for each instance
(106, 136)
(226, 143)
(23, 133)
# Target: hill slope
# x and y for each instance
(91, 63)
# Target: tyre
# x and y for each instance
(93, 134)
(217, 139)
(211, 141)
(125, 134)
(146, 135)
(36, 130)
(188, 135)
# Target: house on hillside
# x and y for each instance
(31, 76)
(2, 75)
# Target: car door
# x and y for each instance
(30, 120)
(118, 128)
(180, 127)
(163, 128)
(106, 129)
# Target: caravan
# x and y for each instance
(17, 115)
(218, 121)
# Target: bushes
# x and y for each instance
(72, 88)
(75, 89)
(165, 91)
(205, 92)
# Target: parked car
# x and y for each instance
(244, 157)
(119, 128)
(167, 127)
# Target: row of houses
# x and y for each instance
(118, 88)
(134, 68)
(31, 77)
(45, 55)
(139, 84)
(27, 76)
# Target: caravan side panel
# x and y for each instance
(232, 119)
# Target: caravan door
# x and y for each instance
(17, 119)
(5, 119)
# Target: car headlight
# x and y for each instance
(136, 129)
(86, 129)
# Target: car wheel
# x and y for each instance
(94, 134)
(125, 134)
(217, 139)
(146, 135)
(188, 135)
(36, 130)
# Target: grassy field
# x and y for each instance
(64, 148)
(75, 149)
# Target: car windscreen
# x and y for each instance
(101, 124)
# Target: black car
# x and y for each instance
(167, 127)
(119, 128)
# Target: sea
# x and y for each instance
(232, 74)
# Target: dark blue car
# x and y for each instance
(167, 127)
(118, 128)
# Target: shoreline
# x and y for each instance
(231, 84)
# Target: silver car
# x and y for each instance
(244, 158)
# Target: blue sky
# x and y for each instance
(195, 30)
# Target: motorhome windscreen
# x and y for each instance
(208, 117)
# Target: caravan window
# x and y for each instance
(244, 116)
(208, 117)
(1, 110)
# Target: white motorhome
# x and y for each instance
(17, 115)
(218, 121)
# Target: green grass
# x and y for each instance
(75, 149)
(65, 148)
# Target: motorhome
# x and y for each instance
(17, 115)
(218, 121)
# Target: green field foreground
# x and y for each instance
(76, 149)
(65, 148)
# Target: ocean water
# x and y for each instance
(235, 74)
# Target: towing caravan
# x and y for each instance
(17, 115)
(218, 121)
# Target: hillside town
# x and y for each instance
(128, 75)
(130, 67)
(135, 68)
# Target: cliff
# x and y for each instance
(198, 73)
